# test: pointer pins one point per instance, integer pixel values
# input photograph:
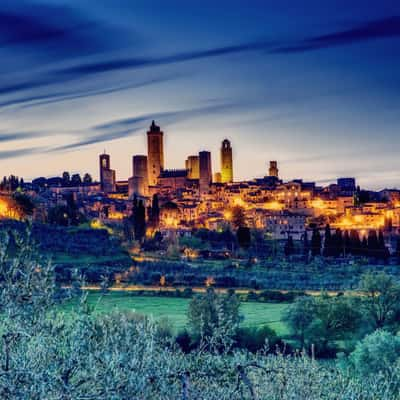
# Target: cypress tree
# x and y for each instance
(355, 243)
(327, 242)
(306, 245)
(316, 243)
(289, 246)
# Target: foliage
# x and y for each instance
(382, 295)
(256, 338)
(210, 313)
(24, 203)
(324, 320)
(243, 237)
(125, 356)
(299, 316)
(377, 352)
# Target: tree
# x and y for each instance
(76, 180)
(155, 212)
(355, 243)
(377, 353)
(66, 180)
(306, 245)
(24, 204)
(87, 179)
(238, 217)
(316, 243)
(346, 243)
(328, 251)
(323, 320)
(398, 249)
(382, 298)
(299, 315)
(243, 235)
(139, 217)
(338, 244)
(373, 244)
(289, 246)
(214, 315)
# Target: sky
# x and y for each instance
(314, 85)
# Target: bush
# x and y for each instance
(256, 338)
(377, 352)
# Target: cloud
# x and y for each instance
(74, 35)
(4, 154)
(14, 136)
(382, 28)
(62, 96)
(56, 30)
(118, 129)
(377, 29)
(141, 62)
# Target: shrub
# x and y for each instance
(256, 338)
(377, 352)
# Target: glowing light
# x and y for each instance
(273, 205)
(228, 215)
(209, 281)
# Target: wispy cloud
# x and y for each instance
(62, 96)
(377, 29)
(118, 129)
(14, 136)
(4, 154)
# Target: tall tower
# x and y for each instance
(226, 162)
(155, 153)
(139, 183)
(192, 166)
(273, 169)
(205, 172)
(107, 175)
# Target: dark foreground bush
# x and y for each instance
(257, 338)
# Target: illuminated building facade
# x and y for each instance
(192, 166)
(226, 162)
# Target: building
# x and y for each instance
(139, 183)
(347, 186)
(173, 178)
(205, 172)
(107, 175)
(108, 183)
(155, 153)
(273, 169)
(217, 178)
(192, 166)
(226, 162)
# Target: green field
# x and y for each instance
(175, 309)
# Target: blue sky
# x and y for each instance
(314, 85)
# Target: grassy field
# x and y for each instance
(175, 309)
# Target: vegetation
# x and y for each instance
(124, 355)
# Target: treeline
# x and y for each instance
(11, 183)
(341, 244)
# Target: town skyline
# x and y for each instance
(320, 97)
(216, 163)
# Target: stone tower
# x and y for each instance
(273, 169)
(226, 162)
(155, 153)
(205, 172)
